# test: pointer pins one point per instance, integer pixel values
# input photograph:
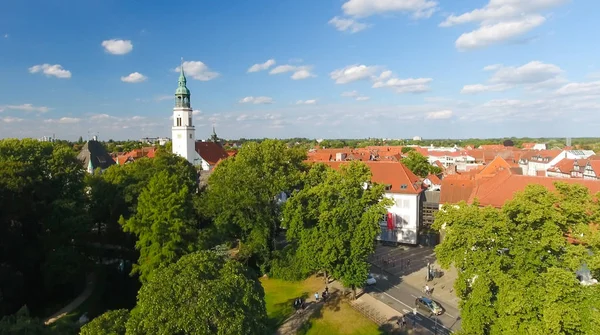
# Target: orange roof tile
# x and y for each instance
(456, 188)
(502, 187)
(211, 152)
(434, 179)
(395, 174)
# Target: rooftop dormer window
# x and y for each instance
(388, 187)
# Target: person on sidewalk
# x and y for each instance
(317, 296)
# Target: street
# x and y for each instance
(402, 297)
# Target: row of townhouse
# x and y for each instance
(544, 162)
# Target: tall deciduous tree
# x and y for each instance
(42, 217)
(334, 220)
(242, 194)
(419, 164)
(201, 294)
(164, 223)
(517, 269)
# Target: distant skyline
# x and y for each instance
(312, 68)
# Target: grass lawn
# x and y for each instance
(340, 319)
(336, 318)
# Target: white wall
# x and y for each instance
(406, 209)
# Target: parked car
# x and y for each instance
(428, 305)
(371, 280)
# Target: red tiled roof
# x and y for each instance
(391, 173)
(456, 188)
(595, 166)
(502, 187)
(434, 179)
(211, 152)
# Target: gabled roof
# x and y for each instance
(434, 179)
(502, 187)
(395, 174)
(456, 188)
(211, 152)
(94, 152)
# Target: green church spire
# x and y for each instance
(182, 94)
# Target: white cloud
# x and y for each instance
(533, 75)
(500, 20)
(502, 31)
(306, 102)
(587, 88)
(299, 72)
(355, 95)
(352, 73)
(363, 8)
(346, 24)
(26, 108)
(134, 77)
(55, 70)
(439, 115)
(262, 66)
(10, 119)
(408, 85)
(64, 120)
(101, 117)
(196, 112)
(163, 97)
(117, 47)
(198, 71)
(256, 100)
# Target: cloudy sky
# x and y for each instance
(309, 68)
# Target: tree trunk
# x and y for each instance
(353, 292)
(326, 278)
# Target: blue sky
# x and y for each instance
(325, 68)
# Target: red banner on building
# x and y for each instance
(391, 224)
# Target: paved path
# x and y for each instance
(89, 288)
(295, 322)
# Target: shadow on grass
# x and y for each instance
(284, 311)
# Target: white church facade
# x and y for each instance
(204, 155)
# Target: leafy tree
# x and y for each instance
(516, 268)
(42, 219)
(164, 223)
(109, 323)
(405, 150)
(21, 323)
(334, 220)
(418, 164)
(200, 294)
(242, 193)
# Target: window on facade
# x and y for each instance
(190, 136)
(190, 122)
(403, 186)
(399, 202)
(388, 187)
(178, 122)
(406, 203)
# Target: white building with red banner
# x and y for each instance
(405, 189)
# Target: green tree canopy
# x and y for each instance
(42, 218)
(201, 294)
(516, 267)
(109, 323)
(164, 223)
(242, 194)
(419, 164)
(407, 149)
(333, 221)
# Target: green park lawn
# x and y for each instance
(334, 319)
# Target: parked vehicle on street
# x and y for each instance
(428, 305)
(371, 280)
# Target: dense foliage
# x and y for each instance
(42, 219)
(517, 269)
(242, 195)
(333, 220)
(109, 323)
(201, 294)
(419, 164)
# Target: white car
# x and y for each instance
(371, 280)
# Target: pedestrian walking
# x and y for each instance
(317, 296)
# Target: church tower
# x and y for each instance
(183, 132)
